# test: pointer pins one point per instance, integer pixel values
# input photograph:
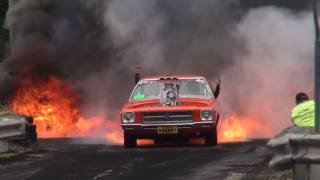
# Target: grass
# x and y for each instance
(286, 175)
(8, 155)
(5, 110)
(17, 150)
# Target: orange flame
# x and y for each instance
(54, 106)
(241, 128)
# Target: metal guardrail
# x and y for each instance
(280, 146)
(297, 148)
(305, 149)
(16, 129)
(12, 127)
(305, 152)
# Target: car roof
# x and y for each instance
(173, 76)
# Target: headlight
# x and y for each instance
(128, 117)
(206, 115)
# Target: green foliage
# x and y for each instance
(4, 33)
(17, 149)
(3, 10)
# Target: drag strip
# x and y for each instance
(68, 159)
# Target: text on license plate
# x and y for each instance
(167, 130)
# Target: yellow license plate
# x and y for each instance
(167, 130)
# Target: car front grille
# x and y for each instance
(167, 117)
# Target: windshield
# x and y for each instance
(189, 88)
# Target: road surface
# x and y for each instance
(83, 159)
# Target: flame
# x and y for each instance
(52, 104)
(54, 107)
(241, 128)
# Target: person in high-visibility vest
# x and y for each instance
(303, 113)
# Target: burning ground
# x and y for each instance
(72, 64)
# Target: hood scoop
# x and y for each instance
(169, 95)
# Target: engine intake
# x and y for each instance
(169, 92)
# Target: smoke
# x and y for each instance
(171, 37)
(185, 37)
(277, 64)
(96, 45)
(62, 39)
(263, 55)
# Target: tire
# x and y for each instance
(211, 138)
(34, 135)
(31, 136)
(157, 141)
(130, 141)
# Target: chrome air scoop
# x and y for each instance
(169, 94)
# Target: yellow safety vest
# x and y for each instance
(303, 114)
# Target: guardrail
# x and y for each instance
(12, 127)
(17, 128)
(297, 148)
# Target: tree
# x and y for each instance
(4, 33)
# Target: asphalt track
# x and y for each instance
(77, 159)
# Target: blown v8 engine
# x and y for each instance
(169, 92)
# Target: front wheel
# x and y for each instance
(130, 141)
(158, 141)
(211, 138)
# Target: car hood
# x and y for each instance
(154, 105)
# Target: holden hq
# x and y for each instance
(171, 108)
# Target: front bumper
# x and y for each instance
(188, 129)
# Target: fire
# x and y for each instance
(241, 128)
(54, 106)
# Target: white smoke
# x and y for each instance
(136, 23)
(277, 64)
(173, 37)
(272, 64)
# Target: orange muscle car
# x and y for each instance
(171, 108)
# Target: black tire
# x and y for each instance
(211, 138)
(130, 141)
(31, 136)
(34, 135)
(158, 141)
